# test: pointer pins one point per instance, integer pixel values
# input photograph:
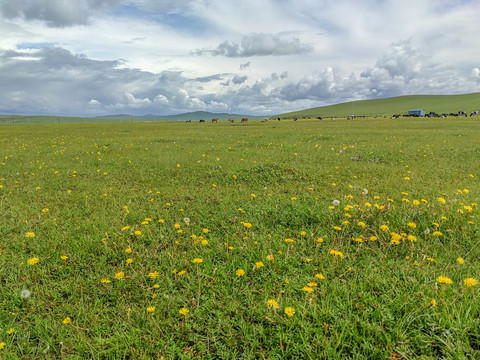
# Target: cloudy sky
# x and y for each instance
(96, 57)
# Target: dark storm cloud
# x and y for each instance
(55, 13)
(53, 80)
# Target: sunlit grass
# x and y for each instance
(307, 239)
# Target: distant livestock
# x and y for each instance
(231, 120)
(202, 121)
(189, 121)
(214, 120)
(244, 120)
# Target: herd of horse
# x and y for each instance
(214, 120)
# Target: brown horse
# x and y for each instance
(231, 120)
(244, 120)
(214, 120)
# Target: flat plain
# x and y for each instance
(329, 239)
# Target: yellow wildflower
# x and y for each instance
(444, 280)
(183, 311)
(33, 261)
(470, 282)
(240, 272)
(273, 303)
(289, 311)
(67, 320)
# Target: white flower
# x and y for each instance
(25, 294)
(364, 192)
(187, 220)
(336, 202)
(427, 231)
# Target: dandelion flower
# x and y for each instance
(205, 231)
(183, 311)
(460, 261)
(105, 281)
(67, 320)
(119, 275)
(412, 225)
(470, 282)
(30, 234)
(289, 240)
(33, 261)
(444, 280)
(361, 224)
(319, 240)
(64, 258)
(151, 309)
(259, 264)
(319, 276)
(289, 311)
(335, 202)
(247, 225)
(364, 192)
(437, 233)
(338, 228)
(240, 272)
(129, 261)
(308, 289)
(272, 303)
(433, 303)
(137, 233)
(2, 345)
(197, 261)
(25, 294)
(336, 253)
(269, 257)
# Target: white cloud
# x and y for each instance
(92, 57)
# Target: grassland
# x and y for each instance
(345, 239)
(395, 105)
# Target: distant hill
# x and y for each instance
(395, 105)
(117, 118)
(194, 116)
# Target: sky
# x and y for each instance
(258, 57)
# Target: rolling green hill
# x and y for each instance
(395, 105)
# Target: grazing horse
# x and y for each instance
(201, 120)
(214, 120)
(244, 120)
(231, 120)
(188, 121)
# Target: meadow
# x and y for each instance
(333, 239)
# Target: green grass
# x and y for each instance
(84, 190)
(394, 105)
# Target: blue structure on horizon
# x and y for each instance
(417, 112)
